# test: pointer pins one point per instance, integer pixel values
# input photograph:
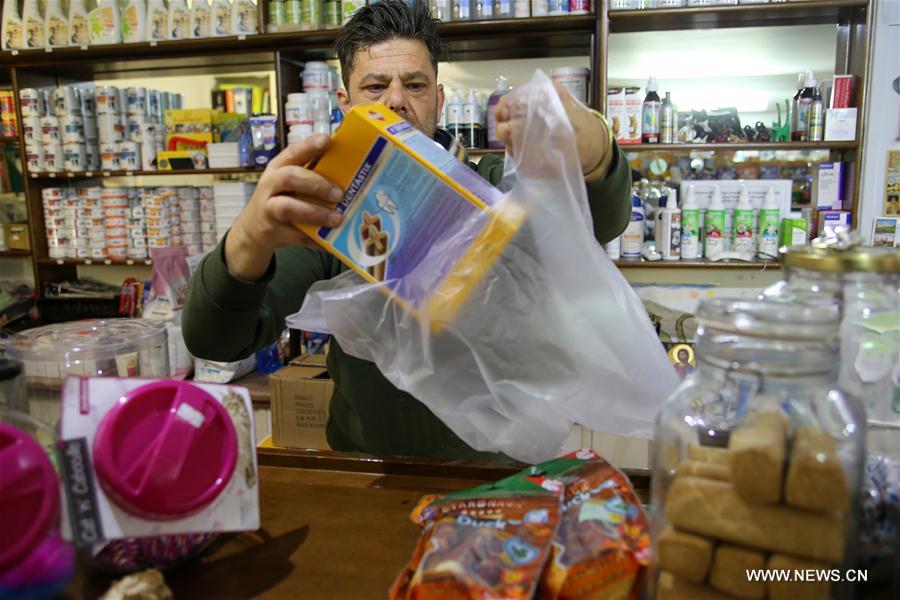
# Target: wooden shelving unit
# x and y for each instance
(698, 264)
(9, 140)
(93, 261)
(95, 174)
(745, 146)
(15, 253)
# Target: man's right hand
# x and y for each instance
(287, 193)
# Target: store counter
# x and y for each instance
(325, 533)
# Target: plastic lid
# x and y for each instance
(166, 450)
(91, 339)
(501, 84)
(315, 65)
(29, 496)
(652, 86)
(809, 79)
(298, 98)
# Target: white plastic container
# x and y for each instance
(13, 28)
(104, 23)
(56, 24)
(179, 20)
(298, 110)
(79, 32)
(744, 226)
(134, 21)
(714, 226)
(157, 21)
(769, 222)
(316, 76)
(200, 18)
(668, 227)
(243, 17)
(220, 18)
(690, 227)
(575, 79)
(33, 25)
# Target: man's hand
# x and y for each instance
(286, 193)
(590, 133)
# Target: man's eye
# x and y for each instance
(375, 89)
(416, 87)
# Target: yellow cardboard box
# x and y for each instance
(17, 236)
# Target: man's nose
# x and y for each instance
(395, 98)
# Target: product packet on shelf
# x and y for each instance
(598, 544)
(408, 203)
(155, 458)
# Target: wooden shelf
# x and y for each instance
(808, 12)
(101, 262)
(318, 39)
(10, 140)
(15, 253)
(741, 146)
(101, 173)
(696, 264)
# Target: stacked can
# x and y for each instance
(189, 217)
(33, 106)
(67, 113)
(137, 225)
(89, 126)
(110, 126)
(208, 237)
(115, 207)
(93, 215)
(8, 124)
(156, 203)
(60, 237)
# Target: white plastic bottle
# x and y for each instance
(13, 28)
(690, 226)
(157, 21)
(501, 90)
(769, 221)
(614, 248)
(179, 20)
(56, 24)
(200, 18)
(633, 238)
(243, 17)
(33, 23)
(743, 226)
(134, 21)
(714, 224)
(104, 23)
(668, 227)
(79, 34)
(220, 18)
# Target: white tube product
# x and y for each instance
(179, 20)
(690, 227)
(13, 28)
(633, 238)
(33, 24)
(157, 21)
(743, 228)
(56, 24)
(134, 21)
(668, 227)
(714, 225)
(769, 221)
(79, 34)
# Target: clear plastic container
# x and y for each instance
(861, 284)
(95, 348)
(758, 455)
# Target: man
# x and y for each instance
(261, 271)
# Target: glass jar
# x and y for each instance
(757, 455)
(861, 284)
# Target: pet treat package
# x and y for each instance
(499, 311)
(569, 528)
(155, 458)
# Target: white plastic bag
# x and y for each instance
(552, 334)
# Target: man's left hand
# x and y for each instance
(591, 136)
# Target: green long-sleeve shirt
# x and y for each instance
(228, 319)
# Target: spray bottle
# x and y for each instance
(79, 33)
(179, 20)
(472, 119)
(650, 114)
(633, 238)
(804, 104)
(815, 128)
(501, 90)
(769, 220)
(667, 125)
(795, 104)
(668, 227)
(56, 24)
(714, 240)
(13, 28)
(454, 115)
(743, 225)
(690, 226)
(33, 22)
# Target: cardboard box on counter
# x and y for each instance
(301, 393)
(17, 236)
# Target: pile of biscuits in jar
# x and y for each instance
(773, 499)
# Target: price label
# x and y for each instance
(59, 262)
(107, 262)
(89, 173)
(88, 261)
(84, 46)
(242, 37)
(129, 262)
(52, 175)
(70, 175)
(15, 52)
(153, 44)
(106, 174)
(48, 50)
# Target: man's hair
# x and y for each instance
(386, 20)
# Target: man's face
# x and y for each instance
(397, 73)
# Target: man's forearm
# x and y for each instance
(245, 260)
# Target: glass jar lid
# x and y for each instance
(791, 322)
(837, 259)
(93, 338)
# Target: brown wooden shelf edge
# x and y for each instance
(736, 147)
(273, 456)
(705, 264)
(101, 262)
(108, 173)
(15, 253)
(9, 140)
